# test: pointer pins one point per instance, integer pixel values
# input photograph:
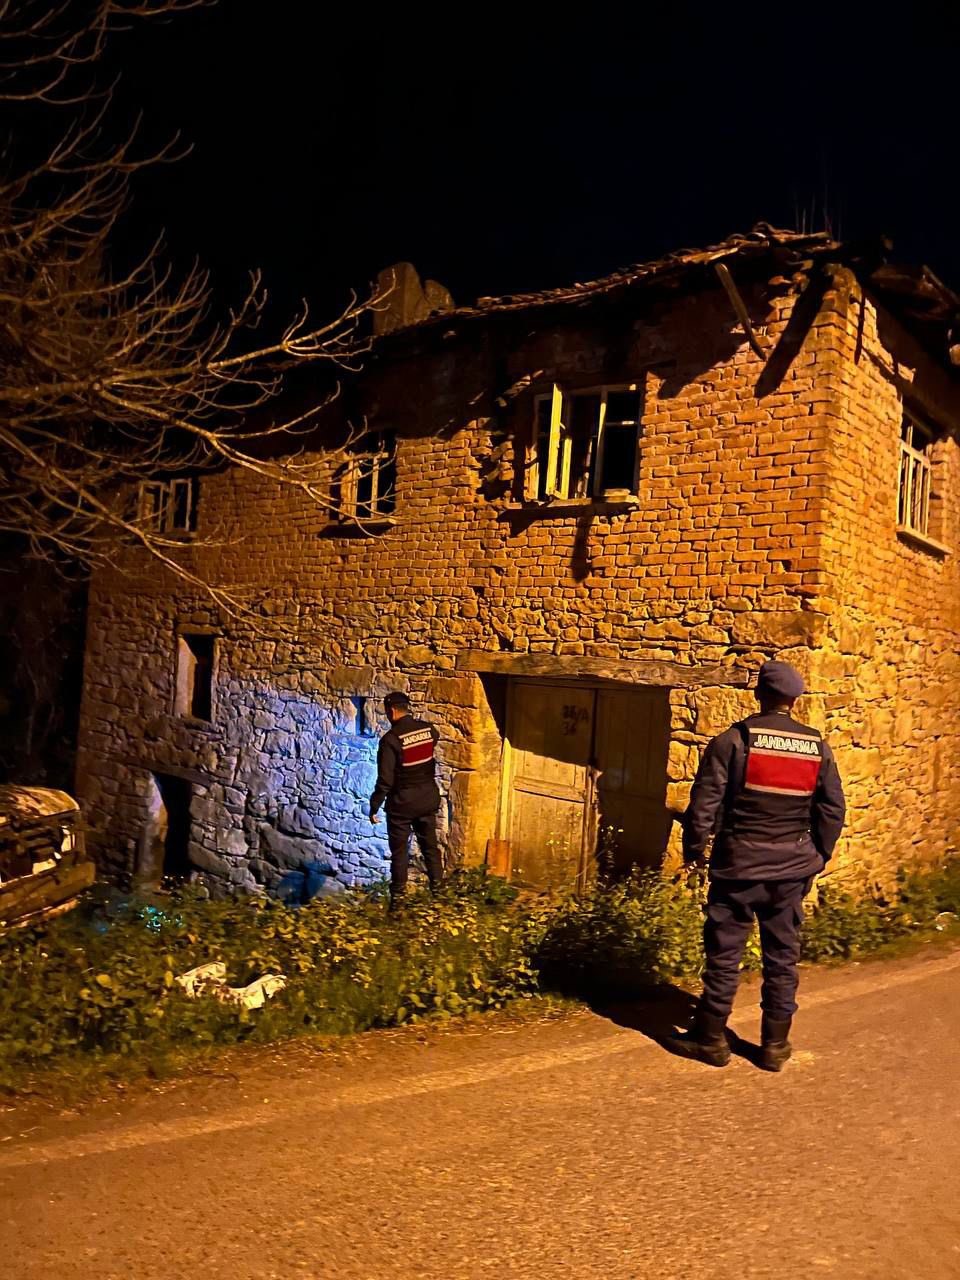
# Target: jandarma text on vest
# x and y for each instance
(795, 745)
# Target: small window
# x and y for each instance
(365, 722)
(195, 661)
(585, 444)
(368, 481)
(169, 506)
(913, 499)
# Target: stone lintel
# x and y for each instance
(195, 776)
(571, 667)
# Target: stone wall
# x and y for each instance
(748, 542)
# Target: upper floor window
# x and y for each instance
(585, 443)
(368, 480)
(168, 506)
(913, 503)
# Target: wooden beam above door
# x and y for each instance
(570, 667)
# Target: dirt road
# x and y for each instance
(574, 1147)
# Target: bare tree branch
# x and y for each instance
(110, 383)
(42, 46)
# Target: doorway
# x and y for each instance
(164, 847)
(585, 775)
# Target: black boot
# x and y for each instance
(774, 1045)
(706, 1041)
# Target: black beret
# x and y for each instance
(781, 679)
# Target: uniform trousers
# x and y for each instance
(732, 906)
(399, 830)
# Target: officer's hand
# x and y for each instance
(375, 819)
(694, 869)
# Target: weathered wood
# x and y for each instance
(16, 859)
(739, 306)
(30, 894)
(568, 667)
(498, 857)
(551, 828)
(47, 913)
(35, 839)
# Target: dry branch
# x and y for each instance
(107, 381)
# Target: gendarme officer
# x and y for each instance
(769, 793)
(406, 780)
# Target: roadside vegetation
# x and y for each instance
(95, 994)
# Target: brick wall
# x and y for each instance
(887, 672)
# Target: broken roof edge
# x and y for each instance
(913, 291)
(761, 240)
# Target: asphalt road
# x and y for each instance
(574, 1147)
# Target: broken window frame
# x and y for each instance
(555, 447)
(914, 476)
(159, 501)
(382, 504)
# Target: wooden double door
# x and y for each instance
(585, 775)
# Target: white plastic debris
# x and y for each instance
(198, 981)
(211, 980)
(255, 995)
(945, 919)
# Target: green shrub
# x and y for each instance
(860, 918)
(646, 929)
(844, 924)
(649, 928)
(349, 965)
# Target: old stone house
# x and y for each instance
(586, 516)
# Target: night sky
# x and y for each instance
(501, 153)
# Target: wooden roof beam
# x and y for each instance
(733, 293)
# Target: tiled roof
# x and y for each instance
(789, 247)
(912, 292)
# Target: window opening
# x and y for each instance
(541, 461)
(621, 440)
(913, 498)
(195, 657)
(365, 720)
(586, 443)
(169, 506)
(369, 481)
(580, 445)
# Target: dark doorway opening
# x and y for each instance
(164, 851)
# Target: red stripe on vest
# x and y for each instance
(419, 753)
(797, 774)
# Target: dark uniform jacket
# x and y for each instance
(769, 793)
(406, 770)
